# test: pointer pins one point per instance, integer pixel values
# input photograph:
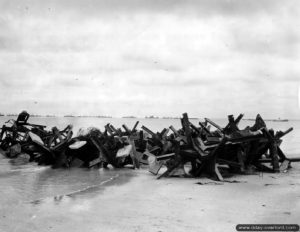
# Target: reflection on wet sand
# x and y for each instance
(96, 188)
(30, 183)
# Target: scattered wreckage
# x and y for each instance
(193, 150)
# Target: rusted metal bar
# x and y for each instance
(204, 128)
(164, 132)
(135, 126)
(279, 135)
(128, 131)
(214, 124)
(108, 129)
(238, 119)
(148, 131)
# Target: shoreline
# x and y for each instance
(144, 203)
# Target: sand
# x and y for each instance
(170, 204)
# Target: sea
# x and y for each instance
(26, 185)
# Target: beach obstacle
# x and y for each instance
(210, 152)
(206, 149)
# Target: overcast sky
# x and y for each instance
(140, 57)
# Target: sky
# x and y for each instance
(209, 58)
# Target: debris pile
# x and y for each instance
(208, 152)
(193, 150)
(58, 148)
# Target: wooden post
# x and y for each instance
(179, 136)
(240, 154)
(148, 131)
(186, 127)
(155, 137)
(214, 124)
(273, 148)
(212, 166)
(108, 129)
(164, 133)
(128, 131)
(133, 154)
(174, 130)
(204, 128)
(135, 126)
(97, 144)
(279, 135)
(176, 162)
(238, 119)
(116, 131)
(195, 128)
(274, 156)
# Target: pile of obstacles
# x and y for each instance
(209, 153)
(59, 149)
(193, 150)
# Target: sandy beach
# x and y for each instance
(143, 203)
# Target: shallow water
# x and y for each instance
(26, 185)
(30, 183)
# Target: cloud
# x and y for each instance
(149, 57)
(267, 36)
(100, 8)
(9, 40)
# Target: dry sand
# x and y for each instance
(170, 204)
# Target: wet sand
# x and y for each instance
(138, 202)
